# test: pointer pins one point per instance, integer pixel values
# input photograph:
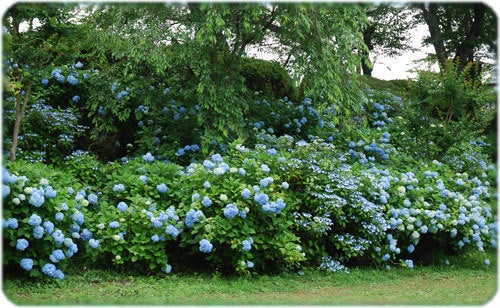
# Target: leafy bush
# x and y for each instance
(44, 219)
(445, 109)
(51, 126)
(267, 79)
(280, 203)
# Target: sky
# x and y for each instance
(400, 67)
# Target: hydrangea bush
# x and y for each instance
(44, 219)
(279, 201)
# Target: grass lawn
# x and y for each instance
(464, 281)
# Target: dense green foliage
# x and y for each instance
(139, 155)
(283, 204)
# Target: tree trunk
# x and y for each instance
(465, 51)
(20, 109)
(366, 66)
(367, 69)
(432, 20)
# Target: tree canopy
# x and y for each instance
(200, 45)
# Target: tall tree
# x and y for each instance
(35, 36)
(387, 32)
(200, 45)
(464, 32)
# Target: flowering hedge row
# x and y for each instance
(282, 204)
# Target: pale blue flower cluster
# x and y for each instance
(247, 244)
(118, 187)
(26, 264)
(22, 244)
(329, 263)
(230, 211)
(148, 157)
(205, 246)
(122, 206)
(161, 188)
(193, 216)
(50, 270)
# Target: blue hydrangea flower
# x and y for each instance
(219, 171)
(49, 269)
(76, 98)
(122, 206)
(243, 214)
(56, 256)
(94, 243)
(167, 269)
(48, 226)
(411, 248)
(230, 211)
(206, 202)
(45, 81)
(50, 192)
(206, 185)
(75, 228)
(155, 238)
(143, 178)
(26, 264)
(172, 231)
(246, 245)
(205, 246)
(409, 264)
(86, 234)
(122, 94)
(217, 158)
(118, 187)
(266, 181)
(272, 152)
(79, 65)
(156, 222)
(208, 165)
(274, 207)
(22, 244)
(5, 190)
(265, 168)
(78, 218)
(12, 223)
(58, 237)
(195, 197)
(148, 157)
(58, 274)
(38, 232)
(59, 216)
(55, 72)
(250, 264)
(37, 198)
(193, 216)
(114, 224)
(424, 229)
(162, 188)
(261, 198)
(92, 198)
(245, 193)
(34, 220)
(60, 78)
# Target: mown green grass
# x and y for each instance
(465, 281)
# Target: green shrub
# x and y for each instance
(267, 79)
(445, 109)
(44, 219)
